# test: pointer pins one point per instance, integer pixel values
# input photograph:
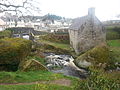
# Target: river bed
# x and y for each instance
(64, 64)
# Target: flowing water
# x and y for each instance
(64, 64)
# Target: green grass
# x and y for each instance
(41, 60)
(58, 45)
(114, 43)
(58, 48)
(35, 87)
(26, 77)
(18, 77)
(17, 87)
(115, 49)
(101, 80)
(113, 33)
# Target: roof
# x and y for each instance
(76, 24)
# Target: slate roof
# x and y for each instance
(78, 22)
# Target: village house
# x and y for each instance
(23, 32)
(2, 25)
(86, 32)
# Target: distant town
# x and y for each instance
(47, 23)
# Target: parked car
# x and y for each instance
(26, 36)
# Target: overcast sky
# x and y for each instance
(105, 9)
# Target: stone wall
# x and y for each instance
(91, 33)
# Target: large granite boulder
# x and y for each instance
(32, 65)
(98, 56)
(12, 52)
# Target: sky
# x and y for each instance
(104, 9)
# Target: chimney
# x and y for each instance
(91, 11)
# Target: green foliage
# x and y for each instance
(54, 49)
(51, 17)
(39, 76)
(100, 80)
(42, 60)
(114, 43)
(99, 54)
(113, 33)
(18, 77)
(5, 33)
(17, 87)
(35, 87)
(58, 38)
(114, 53)
(51, 87)
(13, 51)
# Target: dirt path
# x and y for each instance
(63, 82)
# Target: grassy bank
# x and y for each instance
(58, 45)
(114, 43)
(40, 76)
(115, 49)
(35, 87)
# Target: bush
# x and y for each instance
(100, 80)
(14, 50)
(5, 33)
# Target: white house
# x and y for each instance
(2, 25)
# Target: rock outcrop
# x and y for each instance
(32, 65)
(98, 56)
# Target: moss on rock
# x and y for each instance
(14, 50)
(96, 56)
(31, 65)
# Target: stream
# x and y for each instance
(64, 64)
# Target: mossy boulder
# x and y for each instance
(14, 50)
(98, 56)
(32, 65)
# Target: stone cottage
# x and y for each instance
(86, 32)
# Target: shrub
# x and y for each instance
(5, 33)
(14, 50)
(100, 80)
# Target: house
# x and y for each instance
(2, 25)
(86, 32)
(23, 32)
(112, 23)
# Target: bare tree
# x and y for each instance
(19, 7)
